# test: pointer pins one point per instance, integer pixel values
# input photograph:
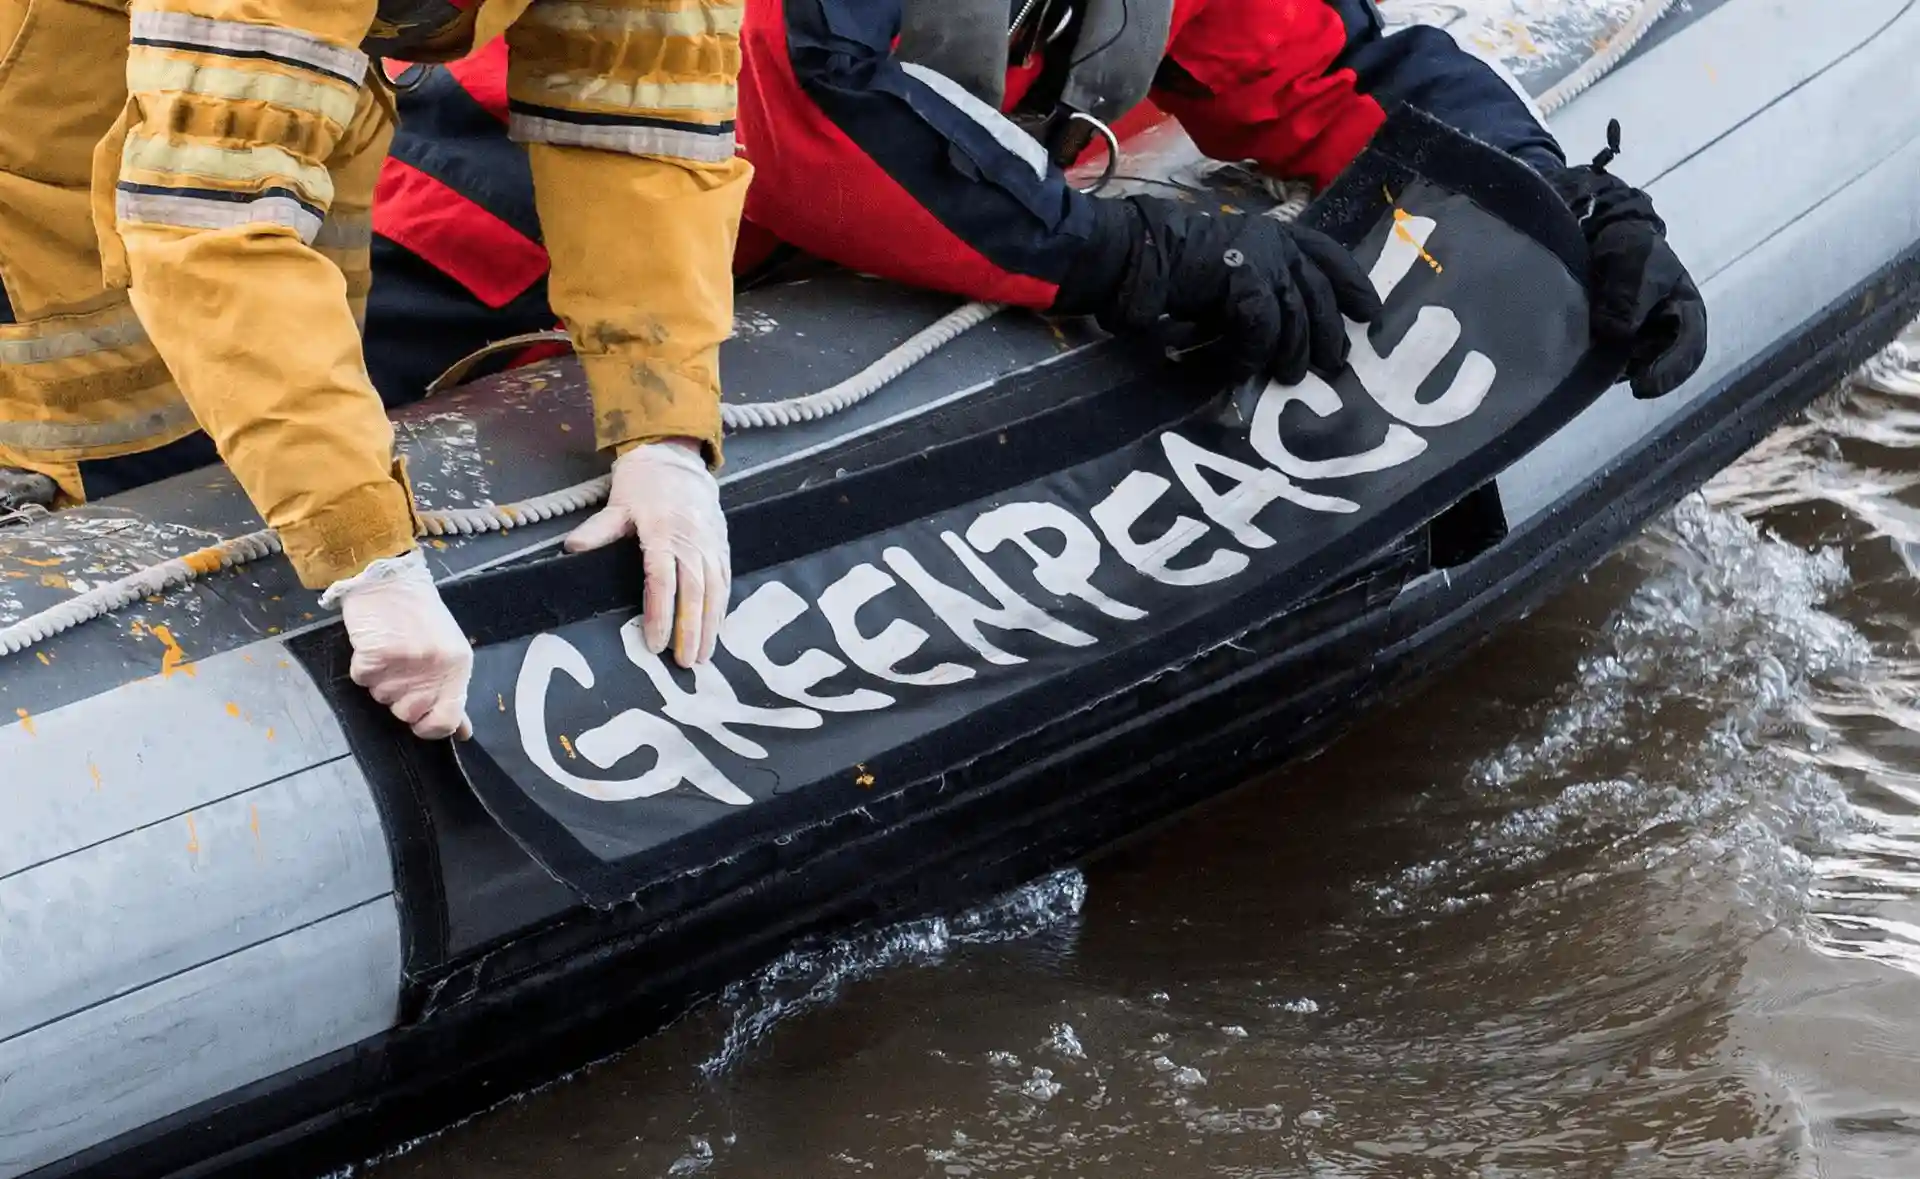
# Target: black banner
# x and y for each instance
(869, 664)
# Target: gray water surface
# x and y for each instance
(1635, 891)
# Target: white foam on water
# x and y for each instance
(811, 977)
(1064, 1041)
(1803, 686)
(1864, 892)
(1679, 746)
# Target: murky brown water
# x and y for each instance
(1632, 893)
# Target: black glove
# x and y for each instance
(1276, 292)
(1644, 301)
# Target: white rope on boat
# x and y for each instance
(1609, 55)
(254, 546)
(500, 517)
(792, 410)
(866, 382)
(154, 579)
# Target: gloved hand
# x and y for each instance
(408, 652)
(1279, 293)
(1643, 299)
(664, 494)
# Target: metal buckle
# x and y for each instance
(1113, 150)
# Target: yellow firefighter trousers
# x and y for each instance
(185, 188)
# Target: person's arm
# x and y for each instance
(891, 169)
(627, 111)
(1300, 86)
(629, 124)
(248, 129)
(241, 176)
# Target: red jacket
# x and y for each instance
(863, 162)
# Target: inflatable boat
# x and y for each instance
(1006, 592)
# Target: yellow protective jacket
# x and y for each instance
(185, 188)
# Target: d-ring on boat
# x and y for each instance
(1011, 596)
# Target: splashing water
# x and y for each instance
(1850, 465)
(804, 979)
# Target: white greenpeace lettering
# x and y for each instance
(1065, 551)
(1394, 381)
(1121, 510)
(879, 655)
(712, 705)
(1067, 574)
(1253, 489)
(765, 612)
(626, 734)
(1399, 446)
(964, 614)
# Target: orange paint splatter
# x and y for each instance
(173, 658)
(865, 779)
(253, 822)
(233, 710)
(26, 720)
(193, 838)
(94, 771)
(500, 700)
(246, 658)
(42, 657)
(203, 562)
(1523, 37)
(269, 733)
(567, 745)
(1400, 219)
(53, 564)
(53, 581)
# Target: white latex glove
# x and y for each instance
(664, 495)
(408, 652)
